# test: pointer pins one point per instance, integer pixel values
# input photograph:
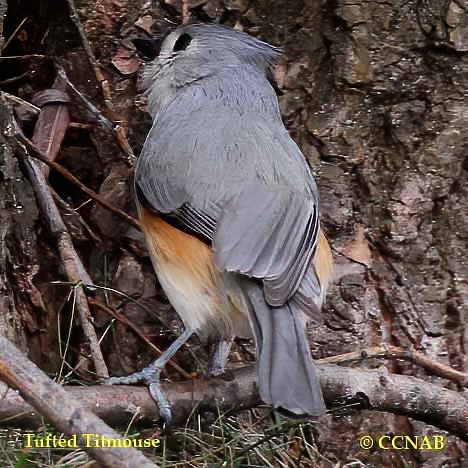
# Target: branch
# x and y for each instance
(36, 153)
(49, 132)
(374, 390)
(398, 394)
(74, 268)
(66, 413)
(394, 352)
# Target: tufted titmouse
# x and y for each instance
(229, 209)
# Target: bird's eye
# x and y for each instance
(182, 42)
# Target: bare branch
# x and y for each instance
(394, 352)
(67, 414)
(375, 390)
(74, 268)
(398, 394)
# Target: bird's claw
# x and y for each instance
(151, 377)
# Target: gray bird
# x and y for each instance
(229, 210)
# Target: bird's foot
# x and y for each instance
(220, 358)
(151, 377)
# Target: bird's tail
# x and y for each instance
(287, 376)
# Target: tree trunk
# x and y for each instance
(375, 96)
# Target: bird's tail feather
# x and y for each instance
(287, 376)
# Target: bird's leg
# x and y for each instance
(150, 376)
(220, 357)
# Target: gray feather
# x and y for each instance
(268, 233)
(309, 295)
(214, 49)
(219, 160)
(214, 134)
(287, 376)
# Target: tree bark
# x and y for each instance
(375, 96)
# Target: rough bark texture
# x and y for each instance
(22, 309)
(375, 95)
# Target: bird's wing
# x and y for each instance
(246, 190)
(269, 234)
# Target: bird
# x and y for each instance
(230, 212)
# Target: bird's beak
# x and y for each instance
(148, 49)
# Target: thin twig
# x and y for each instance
(34, 152)
(74, 268)
(15, 32)
(114, 130)
(105, 289)
(63, 354)
(394, 352)
(70, 211)
(121, 318)
(89, 53)
(24, 57)
(14, 79)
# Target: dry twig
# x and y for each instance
(121, 318)
(13, 35)
(74, 268)
(394, 352)
(95, 113)
(67, 414)
(36, 153)
(89, 53)
(379, 390)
